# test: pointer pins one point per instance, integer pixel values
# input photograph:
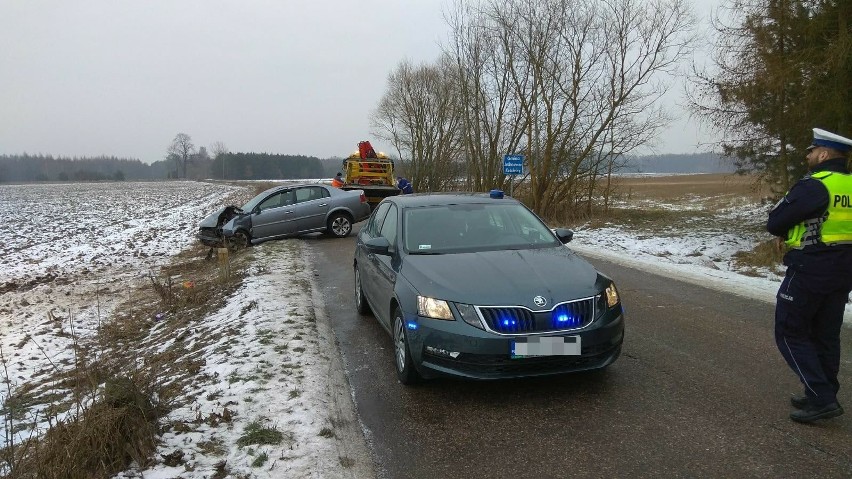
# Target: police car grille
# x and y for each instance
(565, 316)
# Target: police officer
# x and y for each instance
(815, 221)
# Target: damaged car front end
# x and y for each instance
(210, 229)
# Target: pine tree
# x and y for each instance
(783, 67)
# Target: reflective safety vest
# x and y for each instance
(835, 225)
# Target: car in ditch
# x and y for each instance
(478, 286)
(285, 211)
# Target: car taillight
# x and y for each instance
(363, 197)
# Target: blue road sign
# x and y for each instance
(513, 164)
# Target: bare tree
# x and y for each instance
(419, 116)
(490, 116)
(582, 78)
(219, 150)
(181, 150)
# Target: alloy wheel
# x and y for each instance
(399, 343)
(341, 226)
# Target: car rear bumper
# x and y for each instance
(454, 348)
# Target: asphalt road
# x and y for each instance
(699, 391)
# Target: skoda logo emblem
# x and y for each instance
(539, 301)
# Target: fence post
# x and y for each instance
(224, 264)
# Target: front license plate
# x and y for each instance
(546, 346)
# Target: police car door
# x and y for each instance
(367, 261)
(385, 274)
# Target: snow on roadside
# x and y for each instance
(269, 355)
(273, 363)
(633, 250)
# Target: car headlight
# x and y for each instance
(468, 314)
(433, 308)
(611, 295)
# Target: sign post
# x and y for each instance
(513, 165)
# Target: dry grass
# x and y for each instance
(100, 441)
(256, 434)
(765, 255)
(654, 201)
(644, 219)
(263, 186)
(105, 409)
(669, 188)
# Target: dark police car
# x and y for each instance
(477, 286)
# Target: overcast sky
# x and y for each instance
(121, 78)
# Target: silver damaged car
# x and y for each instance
(286, 211)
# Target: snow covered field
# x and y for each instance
(66, 242)
(269, 359)
(76, 249)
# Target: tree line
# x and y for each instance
(262, 166)
(238, 166)
(24, 168)
(223, 164)
(251, 166)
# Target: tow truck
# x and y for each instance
(369, 171)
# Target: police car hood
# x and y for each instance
(512, 277)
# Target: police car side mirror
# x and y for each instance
(379, 245)
(564, 235)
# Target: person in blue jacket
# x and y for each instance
(814, 219)
(404, 185)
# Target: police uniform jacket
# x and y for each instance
(808, 198)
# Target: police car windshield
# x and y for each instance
(473, 227)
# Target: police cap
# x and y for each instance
(830, 140)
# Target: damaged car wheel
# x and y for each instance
(238, 241)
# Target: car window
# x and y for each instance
(389, 225)
(274, 201)
(473, 227)
(309, 193)
(374, 225)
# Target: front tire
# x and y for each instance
(238, 241)
(339, 225)
(405, 371)
(360, 300)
